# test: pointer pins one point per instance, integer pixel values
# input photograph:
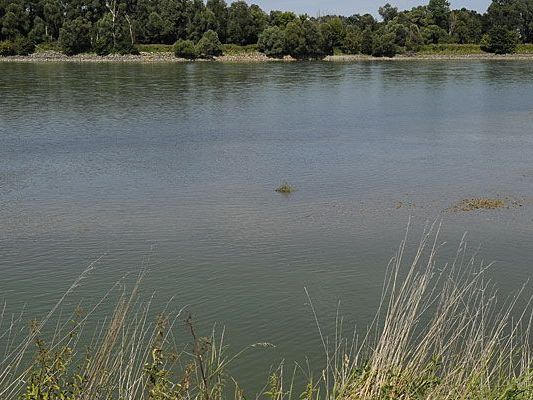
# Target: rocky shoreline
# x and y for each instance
(255, 57)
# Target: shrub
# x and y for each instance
(352, 41)
(500, 41)
(209, 45)
(7, 48)
(20, 46)
(74, 36)
(24, 46)
(185, 49)
(384, 45)
(272, 42)
(367, 39)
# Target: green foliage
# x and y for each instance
(367, 41)
(156, 48)
(118, 26)
(303, 40)
(209, 45)
(18, 47)
(245, 23)
(333, 34)
(185, 49)
(388, 12)
(500, 40)
(74, 36)
(7, 48)
(272, 42)
(24, 46)
(384, 45)
(452, 48)
(352, 41)
(235, 49)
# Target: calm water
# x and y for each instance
(178, 163)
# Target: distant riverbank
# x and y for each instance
(250, 57)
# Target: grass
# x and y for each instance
(525, 48)
(235, 49)
(440, 332)
(155, 48)
(451, 49)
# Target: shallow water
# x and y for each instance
(174, 166)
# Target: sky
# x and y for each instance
(350, 7)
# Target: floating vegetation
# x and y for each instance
(286, 188)
(484, 203)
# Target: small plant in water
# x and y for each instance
(285, 188)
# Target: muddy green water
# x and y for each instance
(174, 166)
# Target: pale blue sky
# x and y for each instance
(349, 7)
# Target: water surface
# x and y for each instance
(174, 166)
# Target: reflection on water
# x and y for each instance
(179, 162)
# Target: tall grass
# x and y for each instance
(440, 332)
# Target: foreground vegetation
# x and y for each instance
(198, 30)
(440, 333)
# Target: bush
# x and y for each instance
(500, 41)
(18, 47)
(7, 48)
(384, 45)
(74, 36)
(352, 41)
(24, 46)
(209, 45)
(367, 39)
(272, 42)
(185, 49)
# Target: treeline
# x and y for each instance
(198, 29)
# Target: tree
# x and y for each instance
(388, 12)
(384, 45)
(333, 33)
(281, 18)
(272, 42)
(352, 40)
(245, 23)
(439, 10)
(367, 41)
(185, 49)
(74, 36)
(15, 22)
(220, 9)
(304, 40)
(209, 45)
(501, 40)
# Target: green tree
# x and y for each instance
(439, 10)
(281, 18)
(388, 12)
(220, 9)
(384, 44)
(15, 22)
(501, 40)
(304, 40)
(367, 41)
(333, 33)
(434, 34)
(352, 40)
(74, 36)
(272, 42)
(245, 23)
(209, 45)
